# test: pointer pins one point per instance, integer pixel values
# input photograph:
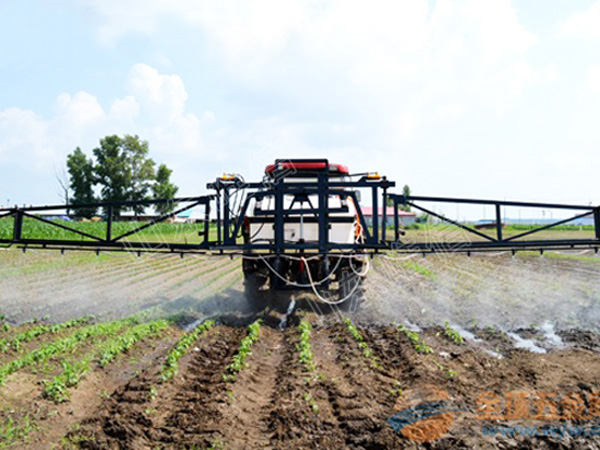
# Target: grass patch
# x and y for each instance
(418, 268)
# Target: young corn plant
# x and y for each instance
(238, 362)
(415, 339)
(362, 345)
(57, 388)
(64, 345)
(304, 348)
(452, 334)
(171, 365)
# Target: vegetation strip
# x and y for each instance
(304, 348)
(29, 335)
(171, 366)
(57, 388)
(54, 348)
(362, 345)
(415, 339)
(239, 359)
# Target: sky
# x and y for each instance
(491, 99)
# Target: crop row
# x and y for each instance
(57, 388)
(63, 345)
(415, 339)
(362, 344)
(33, 228)
(29, 335)
(238, 362)
(304, 348)
(171, 366)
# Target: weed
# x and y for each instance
(449, 373)
(418, 268)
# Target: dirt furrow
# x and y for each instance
(245, 416)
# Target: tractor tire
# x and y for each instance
(255, 285)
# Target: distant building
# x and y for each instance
(406, 218)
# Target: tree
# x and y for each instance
(81, 182)
(142, 170)
(163, 188)
(123, 170)
(112, 171)
(406, 193)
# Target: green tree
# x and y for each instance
(142, 170)
(406, 193)
(112, 171)
(123, 170)
(81, 182)
(163, 188)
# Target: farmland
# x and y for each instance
(164, 352)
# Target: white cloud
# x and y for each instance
(583, 24)
(593, 79)
(155, 109)
(23, 138)
(376, 55)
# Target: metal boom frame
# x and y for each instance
(229, 225)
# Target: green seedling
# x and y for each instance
(238, 362)
(452, 334)
(171, 365)
(415, 339)
(304, 348)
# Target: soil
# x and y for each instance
(482, 393)
(347, 402)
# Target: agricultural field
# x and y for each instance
(127, 352)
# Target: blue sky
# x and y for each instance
(493, 99)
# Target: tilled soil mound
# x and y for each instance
(456, 396)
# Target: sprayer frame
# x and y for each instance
(229, 227)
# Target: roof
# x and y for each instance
(389, 211)
(307, 166)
